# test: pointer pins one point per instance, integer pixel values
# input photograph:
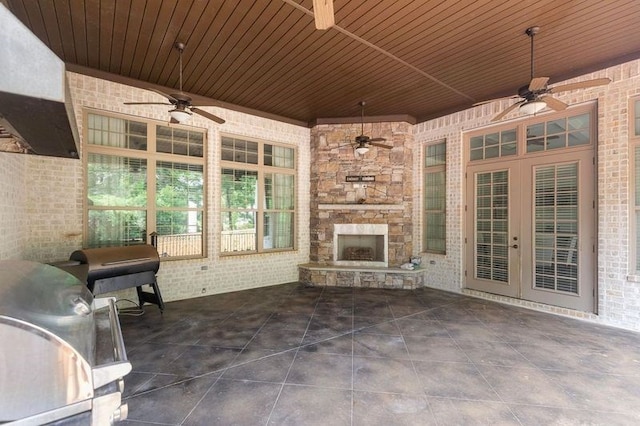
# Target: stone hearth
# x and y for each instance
(388, 200)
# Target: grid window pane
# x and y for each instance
(493, 145)
(179, 141)
(250, 224)
(116, 132)
(122, 209)
(491, 249)
(116, 181)
(435, 198)
(115, 228)
(560, 133)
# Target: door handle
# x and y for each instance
(514, 246)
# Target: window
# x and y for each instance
(635, 144)
(493, 145)
(435, 198)
(257, 196)
(144, 177)
(564, 132)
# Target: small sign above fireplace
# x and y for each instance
(369, 178)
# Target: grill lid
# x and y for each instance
(49, 298)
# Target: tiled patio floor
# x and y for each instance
(292, 355)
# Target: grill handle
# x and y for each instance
(124, 262)
(112, 371)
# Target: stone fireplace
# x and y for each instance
(368, 220)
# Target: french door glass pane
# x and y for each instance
(492, 226)
(556, 227)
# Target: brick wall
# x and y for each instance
(36, 224)
(13, 221)
(41, 206)
(618, 290)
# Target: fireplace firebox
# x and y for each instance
(360, 245)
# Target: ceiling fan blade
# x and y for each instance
(495, 100)
(147, 103)
(553, 103)
(376, 139)
(323, 14)
(538, 83)
(580, 85)
(171, 98)
(207, 115)
(380, 145)
(174, 121)
(507, 111)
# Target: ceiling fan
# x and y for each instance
(183, 107)
(362, 142)
(534, 96)
(323, 14)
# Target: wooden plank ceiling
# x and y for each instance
(418, 58)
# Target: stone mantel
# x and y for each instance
(360, 206)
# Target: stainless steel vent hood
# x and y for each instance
(35, 106)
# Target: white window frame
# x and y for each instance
(260, 209)
(634, 172)
(427, 170)
(152, 158)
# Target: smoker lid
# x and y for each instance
(35, 292)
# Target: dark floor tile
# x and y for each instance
(186, 332)
(461, 412)
(134, 380)
(375, 325)
(323, 370)
(231, 402)
(294, 321)
(276, 339)
(372, 408)
(342, 345)
(586, 390)
(221, 336)
(493, 353)
(461, 330)
(513, 332)
(565, 358)
(171, 404)
(379, 345)
(198, 360)
(531, 415)
(526, 386)
(422, 348)
(418, 327)
(454, 380)
(261, 365)
(385, 375)
(311, 406)
(154, 357)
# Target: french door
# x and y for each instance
(530, 228)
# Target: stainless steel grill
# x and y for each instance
(62, 354)
(116, 268)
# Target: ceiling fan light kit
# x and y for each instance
(179, 115)
(534, 97)
(182, 105)
(362, 150)
(532, 107)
